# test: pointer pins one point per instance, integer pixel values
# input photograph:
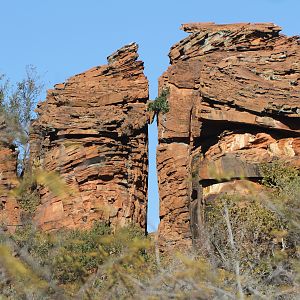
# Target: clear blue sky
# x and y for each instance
(64, 37)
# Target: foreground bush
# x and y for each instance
(249, 250)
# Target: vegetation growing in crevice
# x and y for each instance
(160, 104)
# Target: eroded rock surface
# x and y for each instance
(234, 103)
(9, 208)
(92, 130)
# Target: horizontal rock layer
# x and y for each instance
(234, 103)
(92, 130)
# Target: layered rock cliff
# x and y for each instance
(234, 98)
(92, 130)
(9, 208)
(234, 102)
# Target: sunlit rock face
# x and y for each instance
(92, 130)
(9, 208)
(234, 103)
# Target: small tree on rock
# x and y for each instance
(17, 103)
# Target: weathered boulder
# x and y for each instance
(234, 98)
(92, 130)
(9, 208)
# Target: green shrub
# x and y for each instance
(27, 194)
(280, 176)
(160, 104)
(284, 180)
(265, 231)
(78, 253)
(72, 256)
(124, 264)
(17, 103)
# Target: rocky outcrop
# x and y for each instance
(9, 208)
(234, 98)
(92, 130)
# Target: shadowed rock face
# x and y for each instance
(92, 130)
(234, 103)
(9, 208)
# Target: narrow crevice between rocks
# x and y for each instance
(153, 194)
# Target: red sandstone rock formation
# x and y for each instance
(234, 103)
(92, 130)
(9, 208)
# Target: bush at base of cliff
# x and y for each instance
(130, 268)
(256, 237)
(26, 194)
(69, 254)
(73, 256)
(284, 181)
(258, 233)
(124, 264)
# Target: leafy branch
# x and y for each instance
(17, 103)
(160, 104)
